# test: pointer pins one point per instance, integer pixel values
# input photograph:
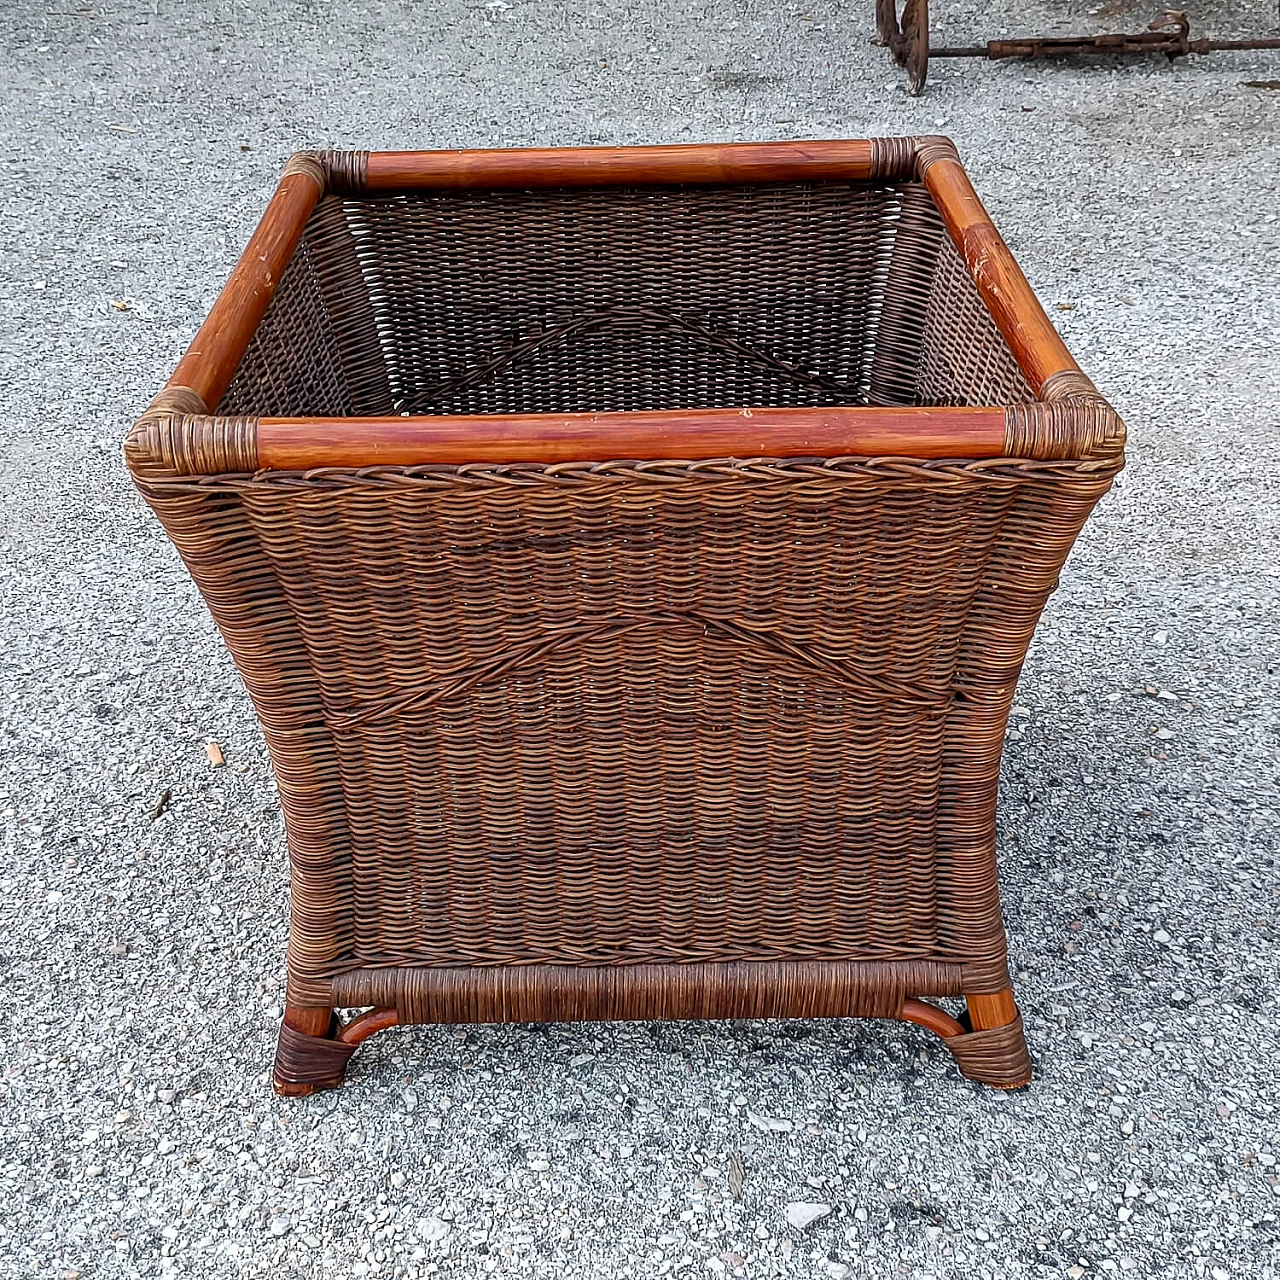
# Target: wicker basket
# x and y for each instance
(631, 555)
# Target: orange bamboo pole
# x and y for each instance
(297, 444)
(613, 166)
(931, 1018)
(995, 1010)
(366, 1024)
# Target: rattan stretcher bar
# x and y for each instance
(631, 555)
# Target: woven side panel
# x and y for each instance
(349, 274)
(597, 300)
(218, 546)
(963, 357)
(294, 358)
(664, 793)
(788, 787)
(563, 994)
(1028, 550)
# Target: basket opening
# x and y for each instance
(796, 294)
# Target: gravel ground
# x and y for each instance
(142, 960)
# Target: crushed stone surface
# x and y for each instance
(143, 898)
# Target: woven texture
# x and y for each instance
(997, 1056)
(632, 738)
(616, 715)
(617, 299)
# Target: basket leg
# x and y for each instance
(992, 1050)
(309, 1055)
(314, 1046)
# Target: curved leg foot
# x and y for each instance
(359, 1029)
(314, 1048)
(931, 1018)
(994, 1051)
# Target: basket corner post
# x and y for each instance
(1070, 421)
(994, 1052)
(333, 172)
(988, 1046)
(309, 1057)
(315, 1046)
(930, 149)
(149, 444)
(177, 436)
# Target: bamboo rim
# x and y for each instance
(297, 444)
(207, 367)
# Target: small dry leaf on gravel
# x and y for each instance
(737, 1175)
(161, 804)
(214, 752)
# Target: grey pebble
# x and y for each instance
(800, 1213)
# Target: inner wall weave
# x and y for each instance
(615, 299)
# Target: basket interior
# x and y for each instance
(624, 298)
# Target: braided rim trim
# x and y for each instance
(665, 471)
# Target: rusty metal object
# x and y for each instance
(909, 43)
(1168, 33)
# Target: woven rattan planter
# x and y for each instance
(631, 555)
